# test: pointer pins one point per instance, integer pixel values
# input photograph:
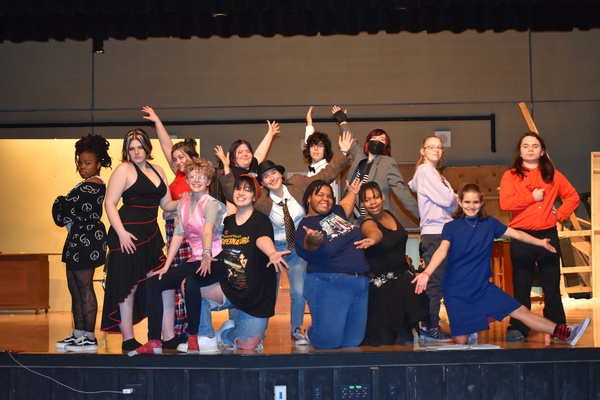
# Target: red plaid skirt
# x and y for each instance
(183, 254)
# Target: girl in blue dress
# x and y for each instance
(471, 300)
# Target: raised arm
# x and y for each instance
(263, 148)
(166, 144)
(349, 199)
(310, 129)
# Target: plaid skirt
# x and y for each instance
(183, 254)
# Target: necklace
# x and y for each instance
(472, 225)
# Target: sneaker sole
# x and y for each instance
(133, 353)
(584, 325)
(79, 349)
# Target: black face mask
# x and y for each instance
(376, 147)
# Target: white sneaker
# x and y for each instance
(226, 325)
(206, 344)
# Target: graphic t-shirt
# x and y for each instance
(338, 253)
(250, 285)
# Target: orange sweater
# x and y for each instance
(526, 213)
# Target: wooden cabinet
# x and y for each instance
(24, 282)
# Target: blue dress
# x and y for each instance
(471, 300)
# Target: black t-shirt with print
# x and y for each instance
(250, 285)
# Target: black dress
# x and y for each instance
(394, 307)
(124, 271)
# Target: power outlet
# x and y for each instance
(280, 392)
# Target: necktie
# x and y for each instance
(290, 230)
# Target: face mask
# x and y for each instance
(376, 147)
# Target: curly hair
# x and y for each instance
(316, 138)
(313, 188)
(387, 148)
(142, 137)
(470, 188)
(200, 164)
(187, 146)
(545, 164)
(96, 145)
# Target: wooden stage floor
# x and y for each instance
(37, 333)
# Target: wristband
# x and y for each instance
(339, 116)
(426, 273)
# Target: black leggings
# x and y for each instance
(84, 304)
(193, 299)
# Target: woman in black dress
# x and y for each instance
(394, 308)
(134, 239)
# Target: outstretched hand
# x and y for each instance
(309, 120)
(273, 128)
(277, 261)
(345, 141)
(149, 114)
(222, 156)
(421, 283)
(339, 115)
(546, 244)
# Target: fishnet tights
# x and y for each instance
(84, 304)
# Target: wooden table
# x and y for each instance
(24, 282)
(502, 266)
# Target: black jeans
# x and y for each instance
(524, 259)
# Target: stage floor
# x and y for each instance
(37, 333)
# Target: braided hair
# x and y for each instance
(96, 145)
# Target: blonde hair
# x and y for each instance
(422, 157)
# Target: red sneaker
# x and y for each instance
(193, 347)
(152, 347)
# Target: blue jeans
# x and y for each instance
(297, 276)
(338, 307)
(246, 326)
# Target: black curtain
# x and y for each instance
(42, 20)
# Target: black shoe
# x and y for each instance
(129, 345)
(83, 344)
(71, 339)
(171, 344)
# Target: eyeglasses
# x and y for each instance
(319, 145)
(197, 178)
(440, 148)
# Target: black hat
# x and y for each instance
(265, 166)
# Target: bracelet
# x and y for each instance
(344, 152)
(208, 251)
(426, 273)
